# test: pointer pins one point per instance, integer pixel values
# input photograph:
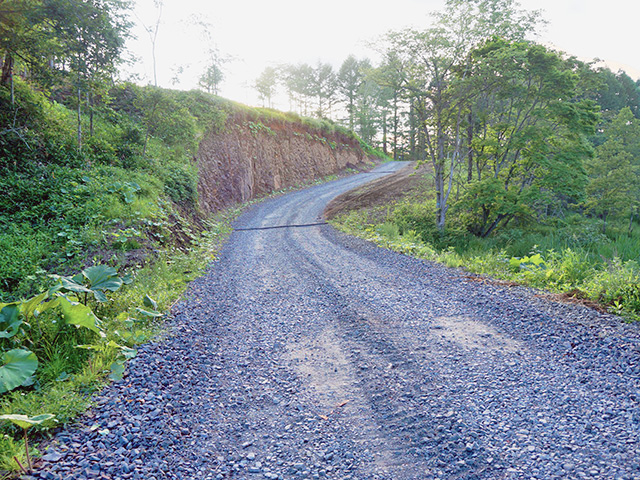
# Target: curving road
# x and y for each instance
(304, 353)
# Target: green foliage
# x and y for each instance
(258, 127)
(265, 84)
(74, 361)
(37, 322)
(181, 183)
(575, 259)
(617, 91)
(25, 422)
(75, 207)
(528, 263)
(126, 189)
(11, 449)
(95, 280)
(613, 189)
(17, 366)
(531, 140)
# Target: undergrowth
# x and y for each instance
(573, 260)
(68, 375)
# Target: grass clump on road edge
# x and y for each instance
(612, 283)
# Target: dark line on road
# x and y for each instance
(251, 229)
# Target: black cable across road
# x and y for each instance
(250, 229)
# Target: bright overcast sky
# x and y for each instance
(258, 33)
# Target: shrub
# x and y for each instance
(181, 183)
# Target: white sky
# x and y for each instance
(258, 33)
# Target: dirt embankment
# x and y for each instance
(253, 157)
(382, 192)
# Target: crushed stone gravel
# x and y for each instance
(306, 354)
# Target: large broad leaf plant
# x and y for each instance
(68, 298)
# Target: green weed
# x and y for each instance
(575, 259)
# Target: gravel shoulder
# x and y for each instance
(305, 353)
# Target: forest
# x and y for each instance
(532, 157)
(515, 128)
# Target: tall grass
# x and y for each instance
(576, 259)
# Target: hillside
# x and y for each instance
(149, 168)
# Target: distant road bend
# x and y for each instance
(306, 354)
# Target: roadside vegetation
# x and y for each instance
(572, 258)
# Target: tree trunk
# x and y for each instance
(493, 226)
(604, 223)
(441, 208)
(384, 133)
(144, 146)
(470, 153)
(395, 126)
(153, 57)
(90, 106)
(79, 120)
(631, 215)
(412, 132)
(7, 69)
(7, 75)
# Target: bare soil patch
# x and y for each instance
(380, 193)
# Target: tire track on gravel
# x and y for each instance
(390, 380)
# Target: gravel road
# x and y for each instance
(304, 353)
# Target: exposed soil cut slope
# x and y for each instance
(381, 192)
(253, 157)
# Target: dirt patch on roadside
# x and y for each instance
(575, 298)
(381, 192)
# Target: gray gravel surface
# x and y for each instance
(304, 353)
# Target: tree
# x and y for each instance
(614, 187)
(164, 118)
(323, 87)
(611, 182)
(617, 91)
(366, 107)
(90, 36)
(17, 21)
(211, 79)
(349, 80)
(213, 74)
(152, 32)
(299, 80)
(432, 60)
(266, 85)
(389, 76)
(530, 138)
